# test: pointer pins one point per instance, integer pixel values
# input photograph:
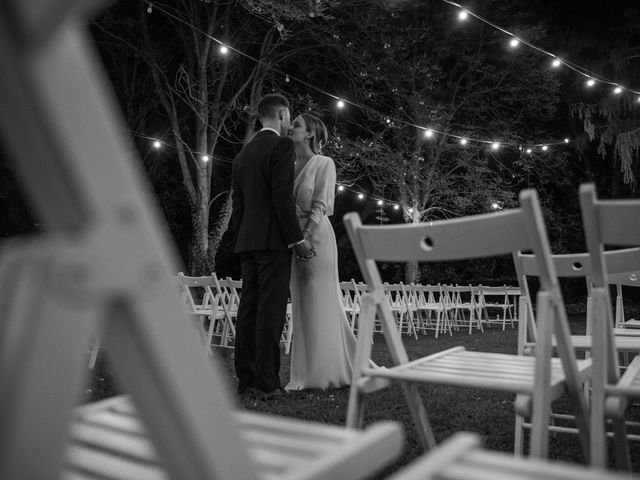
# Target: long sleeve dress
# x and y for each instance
(324, 346)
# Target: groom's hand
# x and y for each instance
(304, 251)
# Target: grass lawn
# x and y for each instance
(488, 413)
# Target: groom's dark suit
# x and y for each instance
(265, 224)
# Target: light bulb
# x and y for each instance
(380, 202)
(591, 82)
(556, 63)
(617, 90)
(566, 140)
(514, 42)
(224, 49)
(340, 104)
(495, 145)
(361, 196)
(340, 188)
(529, 151)
(463, 15)
(396, 207)
(205, 158)
(157, 144)
(463, 141)
(428, 133)
(545, 148)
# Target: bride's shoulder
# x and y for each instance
(325, 159)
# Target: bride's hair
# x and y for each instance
(319, 131)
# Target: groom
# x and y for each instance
(265, 223)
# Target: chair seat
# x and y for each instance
(462, 458)
(625, 343)
(490, 371)
(108, 440)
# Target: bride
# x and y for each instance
(324, 346)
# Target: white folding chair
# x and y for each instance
(536, 380)
(203, 301)
(608, 223)
(106, 261)
(494, 299)
(464, 305)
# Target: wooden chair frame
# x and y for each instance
(608, 223)
(539, 379)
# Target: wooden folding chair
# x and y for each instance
(612, 223)
(461, 457)
(105, 261)
(203, 302)
(492, 299)
(535, 380)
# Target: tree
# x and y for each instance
(203, 95)
(414, 69)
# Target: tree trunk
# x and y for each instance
(411, 272)
(220, 226)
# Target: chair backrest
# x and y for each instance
(476, 236)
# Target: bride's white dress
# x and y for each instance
(324, 346)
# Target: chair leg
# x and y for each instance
(419, 415)
(623, 461)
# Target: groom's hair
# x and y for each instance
(269, 105)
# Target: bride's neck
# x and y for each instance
(304, 153)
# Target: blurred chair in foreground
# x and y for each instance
(104, 267)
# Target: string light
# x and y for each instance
(555, 63)
(150, 8)
(566, 140)
(463, 15)
(514, 42)
(545, 148)
(361, 196)
(380, 203)
(617, 90)
(224, 49)
(529, 150)
(341, 103)
(340, 188)
(157, 144)
(205, 158)
(591, 82)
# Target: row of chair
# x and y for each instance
(442, 308)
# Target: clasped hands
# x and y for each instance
(304, 251)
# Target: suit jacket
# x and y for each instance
(264, 211)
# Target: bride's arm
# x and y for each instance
(323, 195)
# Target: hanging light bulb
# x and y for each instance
(157, 144)
(617, 90)
(224, 49)
(528, 150)
(361, 196)
(556, 63)
(428, 133)
(591, 82)
(545, 148)
(380, 203)
(495, 145)
(514, 42)
(396, 207)
(286, 78)
(463, 15)
(566, 140)
(463, 141)
(340, 188)
(205, 158)
(150, 8)
(410, 210)
(340, 104)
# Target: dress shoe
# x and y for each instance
(277, 393)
